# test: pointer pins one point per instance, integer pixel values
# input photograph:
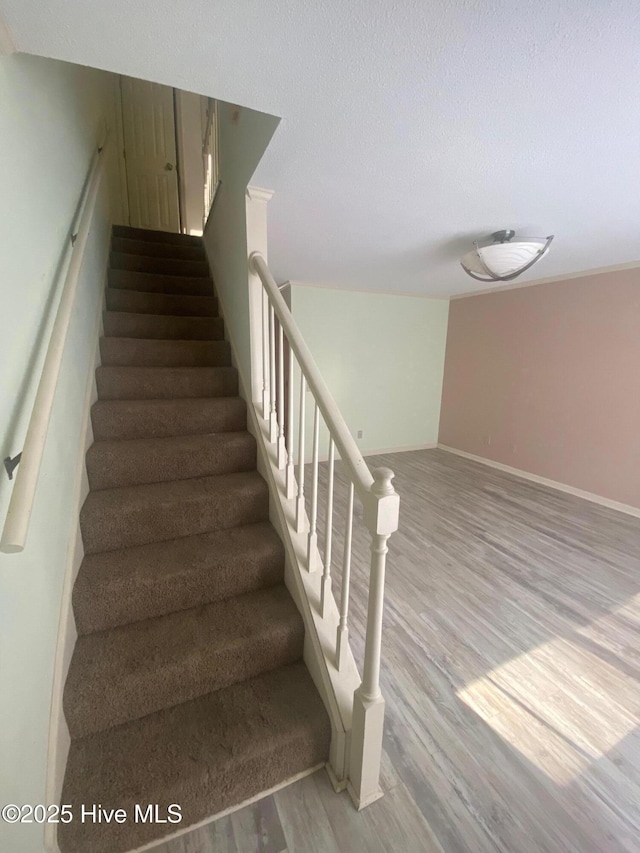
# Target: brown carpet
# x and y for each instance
(186, 684)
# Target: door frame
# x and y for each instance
(177, 111)
(122, 165)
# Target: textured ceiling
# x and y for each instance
(409, 128)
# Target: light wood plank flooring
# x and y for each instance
(511, 671)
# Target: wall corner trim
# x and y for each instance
(259, 193)
(7, 44)
(544, 481)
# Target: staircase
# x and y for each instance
(187, 684)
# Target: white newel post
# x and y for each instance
(256, 200)
(381, 514)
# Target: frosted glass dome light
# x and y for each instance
(503, 256)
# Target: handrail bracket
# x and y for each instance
(10, 464)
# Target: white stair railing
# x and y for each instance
(373, 488)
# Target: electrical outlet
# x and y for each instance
(359, 433)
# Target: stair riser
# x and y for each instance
(111, 590)
(137, 694)
(147, 383)
(164, 266)
(132, 352)
(145, 282)
(166, 418)
(161, 303)
(110, 467)
(125, 528)
(151, 236)
(162, 327)
(126, 246)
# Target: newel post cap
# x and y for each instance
(382, 478)
(383, 510)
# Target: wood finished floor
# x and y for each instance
(511, 672)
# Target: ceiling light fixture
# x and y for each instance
(503, 258)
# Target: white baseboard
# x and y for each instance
(544, 481)
(323, 457)
(406, 449)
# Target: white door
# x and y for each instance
(148, 120)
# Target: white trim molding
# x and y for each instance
(406, 449)
(259, 194)
(632, 265)
(7, 44)
(544, 481)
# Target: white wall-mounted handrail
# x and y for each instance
(347, 447)
(16, 526)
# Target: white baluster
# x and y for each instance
(291, 479)
(273, 420)
(325, 588)
(312, 541)
(265, 355)
(300, 508)
(381, 518)
(342, 639)
(282, 453)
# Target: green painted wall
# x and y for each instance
(51, 116)
(382, 357)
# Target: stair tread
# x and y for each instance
(131, 246)
(207, 755)
(127, 419)
(115, 462)
(137, 515)
(162, 326)
(164, 266)
(171, 492)
(137, 669)
(130, 584)
(145, 352)
(182, 317)
(131, 232)
(137, 383)
(150, 369)
(154, 282)
(146, 302)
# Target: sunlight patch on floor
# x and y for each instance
(550, 704)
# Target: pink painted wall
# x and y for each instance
(547, 379)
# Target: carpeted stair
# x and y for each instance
(186, 684)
